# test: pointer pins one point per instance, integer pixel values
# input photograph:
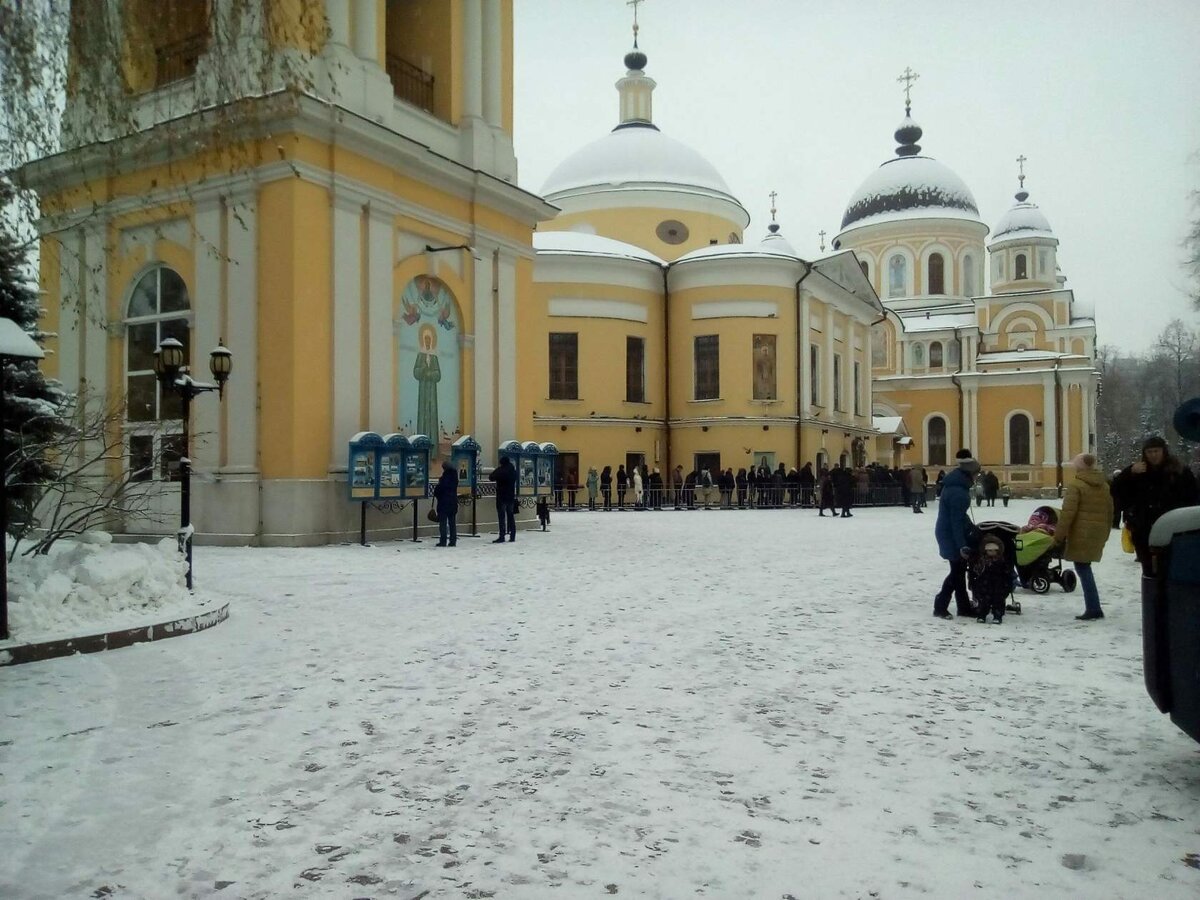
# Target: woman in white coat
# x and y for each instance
(638, 487)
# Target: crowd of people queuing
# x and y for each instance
(838, 488)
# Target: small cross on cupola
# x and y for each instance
(1022, 195)
(774, 226)
(907, 79)
(821, 235)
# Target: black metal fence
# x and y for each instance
(410, 82)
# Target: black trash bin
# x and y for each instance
(1171, 619)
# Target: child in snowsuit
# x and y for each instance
(991, 579)
(543, 511)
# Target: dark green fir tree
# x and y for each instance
(34, 406)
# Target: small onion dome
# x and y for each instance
(1022, 220)
(635, 60)
(907, 136)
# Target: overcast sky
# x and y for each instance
(1102, 96)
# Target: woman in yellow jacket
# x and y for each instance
(1084, 525)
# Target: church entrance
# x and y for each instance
(566, 478)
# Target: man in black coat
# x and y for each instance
(505, 476)
(1155, 484)
(808, 484)
(445, 495)
(843, 489)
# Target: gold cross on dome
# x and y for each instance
(908, 78)
(773, 195)
(635, 4)
(821, 234)
(1021, 160)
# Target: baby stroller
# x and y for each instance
(1037, 563)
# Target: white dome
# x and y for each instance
(581, 244)
(772, 247)
(635, 157)
(910, 187)
(1022, 220)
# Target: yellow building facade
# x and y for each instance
(354, 233)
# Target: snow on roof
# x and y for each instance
(938, 322)
(576, 242)
(909, 187)
(763, 250)
(888, 424)
(1008, 356)
(633, 158)
(1022, 220)
(16, 342)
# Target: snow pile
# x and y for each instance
(92, 585)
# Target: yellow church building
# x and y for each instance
(355, 234)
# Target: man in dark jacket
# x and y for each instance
(953, 531)
(445, 495)
(808, 484)
(505, 476)
(843, 489)
(1155, 484)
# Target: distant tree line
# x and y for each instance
(1140, 393)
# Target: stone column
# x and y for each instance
(382, 385)
(70, 326)
(347, 325)
(506, 344)
(1049, 425)
(241, 333)
(94, 309)
(493, 67)
(338, 13)
(484, 427)
(208, 297)
(366, 37)
(472, 59)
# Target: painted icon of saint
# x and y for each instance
(428, 372)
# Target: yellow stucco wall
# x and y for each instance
(995, 403)
(294, 330)
(637, 226)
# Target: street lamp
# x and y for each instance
(15, 344)
(172, 373)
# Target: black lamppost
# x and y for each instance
(169, 366)
(15, 344)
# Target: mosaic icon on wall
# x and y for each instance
(429, 363)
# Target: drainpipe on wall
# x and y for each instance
(1058, 414)
(800, 358)
(962, 413)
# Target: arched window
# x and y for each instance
(862, 264)
(935, 355)
(1018, 440)
(937, 274)
(1022, 266)
(935, 441)
(918, 355)
(952, 353)
(968, 276)
(159, 308)
(897, 276)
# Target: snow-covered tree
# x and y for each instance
(33, 405)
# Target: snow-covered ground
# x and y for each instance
(730, 705)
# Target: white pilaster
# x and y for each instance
(338, 13)
(241, 332)
(347, 325)
(472, 58)
(207, 296)
(802, 354)
(1085, 411)
(94, 309)
(484, 427)
(493, 72)
(827, 365)
(366, 37)
(70, 326)
(383, 381)
(1066, 421)
(506, 332)
(1048, 421)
